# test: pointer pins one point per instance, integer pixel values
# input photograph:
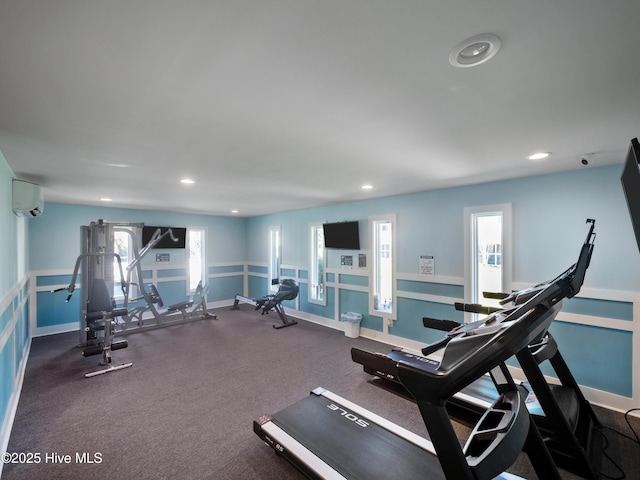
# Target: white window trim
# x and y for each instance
(205, 271)
(131, 247)
(312, 259)
(388, 316)
(274, 275)
(507, 247)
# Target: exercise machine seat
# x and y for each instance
(100, 299)
(288, 290)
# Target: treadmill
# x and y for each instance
(561, 412)
(328, 437)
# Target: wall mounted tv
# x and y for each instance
(344, 235)
(166, 241)
(631, 185)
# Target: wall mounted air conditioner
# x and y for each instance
(27, 199)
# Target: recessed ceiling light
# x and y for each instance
(234, 211)
(187, 181)
(475, 50)
(367, 187)
(538, 156)
(105, 199)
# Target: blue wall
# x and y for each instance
(14, 302)
(548, 228)
(59, 231)
(55, 245)
(549, 214)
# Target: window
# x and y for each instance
(383, 271)
(274, 258)
(487, 262)
(197, 258)
(122, 246)
(316, 265)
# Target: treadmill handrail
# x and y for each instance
(476, 350)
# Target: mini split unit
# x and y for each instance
(27, 199)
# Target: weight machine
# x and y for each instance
(185, 311)
(99, 314)
(100, 317)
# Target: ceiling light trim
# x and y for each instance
(538, 156)
(475, 50)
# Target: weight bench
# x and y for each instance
(288, 290)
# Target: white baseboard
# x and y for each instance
(54, 329)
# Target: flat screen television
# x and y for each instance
(631, 186)
(166, 241)
(344, 235)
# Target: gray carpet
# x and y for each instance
(185, 409)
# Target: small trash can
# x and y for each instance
(351, 324)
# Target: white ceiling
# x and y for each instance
(277, 105)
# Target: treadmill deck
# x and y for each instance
(339, 439)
